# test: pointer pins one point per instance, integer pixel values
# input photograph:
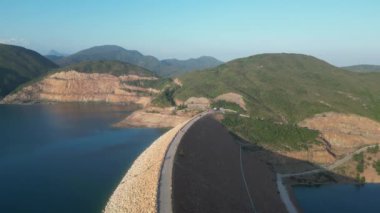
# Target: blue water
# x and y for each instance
(64, 158)
(337, 198)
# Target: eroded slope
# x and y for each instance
(73, 86)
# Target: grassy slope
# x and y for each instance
(18, 65)
(363, 68)
(288, 87)
(111, 67)
(175, 67)
(285, 88)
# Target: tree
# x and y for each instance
(376, 165)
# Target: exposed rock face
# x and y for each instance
(315, 154)
(177, 82)
(72, 86)
(345, 132)
(233, 98)
(143, 118)
(197, 103)
(349, 169)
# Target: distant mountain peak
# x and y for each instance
(55, 53)
(107, 47)
(19, 65)
(167, 67)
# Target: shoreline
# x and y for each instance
(289, 183)
(142, 118)
(292, 197)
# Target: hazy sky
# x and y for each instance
(343, 32)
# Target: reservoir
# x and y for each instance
(65, 157)
(347, 198)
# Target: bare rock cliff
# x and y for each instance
(72, 86)
(344, 132)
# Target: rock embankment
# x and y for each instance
(142, 118)
(73, 86)
(156, 117)
(315, 154)
(137, 192)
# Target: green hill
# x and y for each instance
(111, 52)
(363, 68)
(288, 87)
(111, 67)
(54, 58)
(282, 89)
(19, 65)
(176, 67)
(163, 68)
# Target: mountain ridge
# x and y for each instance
(19, 65)
(116, 68)
(363, 68)
(168, 67)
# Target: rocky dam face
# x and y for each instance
(73, 86)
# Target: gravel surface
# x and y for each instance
(137, 192)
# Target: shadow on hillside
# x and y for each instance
(208, 173)
(285, 165)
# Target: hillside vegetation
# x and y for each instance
(281, 90)
(173, 67)
(19, 65)
(116, 68)
(288, 87)
(269, 134)
(363, 68)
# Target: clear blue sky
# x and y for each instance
(343, 32)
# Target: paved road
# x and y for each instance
(165, 184)
(283, 191)
(245, 183)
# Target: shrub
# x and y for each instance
(181, 107)
(266, 132)
(165, 98)
(360, 179)
(374, 149)
(227, 105)
(360, 167)
(359, 158)
(376, 166)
